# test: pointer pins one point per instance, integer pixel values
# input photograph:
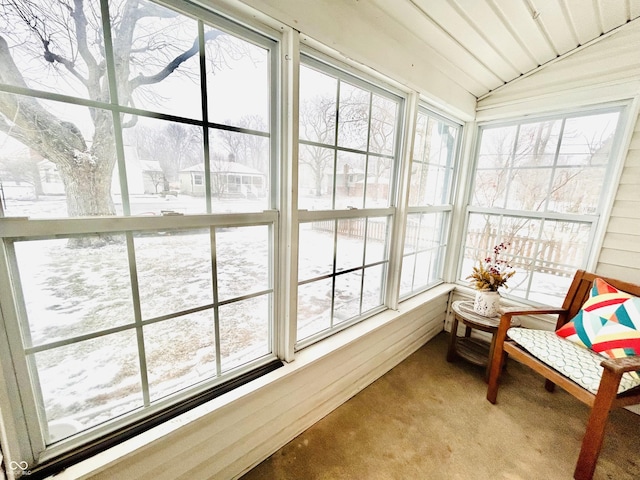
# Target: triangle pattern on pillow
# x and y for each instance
(628, 313)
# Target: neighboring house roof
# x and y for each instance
(224, 167)
(150, 166)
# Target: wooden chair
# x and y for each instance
(607, 396)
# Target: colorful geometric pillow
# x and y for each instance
(608, 323)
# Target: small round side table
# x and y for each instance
(475, 350)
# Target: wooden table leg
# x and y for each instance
(451, 351)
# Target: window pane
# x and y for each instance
(350, 245)
(180, 352)
(378, 182)
(244, 331)
(314, 307)
(242, 257)
(407, 275)
(87, 383)
(174, 271)
(588, 140)
(237, 81)
(72, 289)
(317, 106)
(315, 249)
(577, 190)
(526, 189)
(315, 178)
(24, 31)
(377, 235)
(423, 252)
(536, 144)
(347, 296)
(354, 117)
(239, 164)
(496, 146)
(63, 165)
(373, 287)
(383, 125)
(349, 186)
(160, 157)
(156, 41)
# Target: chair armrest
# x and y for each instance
(621, 365)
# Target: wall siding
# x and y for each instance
(620, 253)
(230, 440)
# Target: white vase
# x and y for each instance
(486, 303)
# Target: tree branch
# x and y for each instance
(173, 64)
(51, 57)
(81, 36)
(33, 125)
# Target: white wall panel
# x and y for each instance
(364, 33)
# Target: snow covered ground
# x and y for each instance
(90, 345)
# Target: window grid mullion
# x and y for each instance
(204, 105)
(216, 299)
(137, 315)
(554, 168)
(367, 157)
(336, 130)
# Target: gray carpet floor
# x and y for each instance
(429, 419)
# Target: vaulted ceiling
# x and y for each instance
(454, 52)
(491, 42)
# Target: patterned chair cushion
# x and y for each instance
(608, 323)
(573, 361)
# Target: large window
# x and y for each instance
(349, 131)
(137, 164)
(429, 208)
(538, 187)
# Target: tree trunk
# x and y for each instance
(88, 188)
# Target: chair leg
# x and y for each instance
(494, 370)
(594, 435)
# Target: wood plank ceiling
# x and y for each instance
(487, 43)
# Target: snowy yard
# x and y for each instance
(89, 345)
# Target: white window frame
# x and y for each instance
(330, 66)
(18, 401)
(597, 221)
(446, 208)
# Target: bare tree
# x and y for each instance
(67, 39)
(246, 148)
(22, 169)
(317, 123)
(174, 146)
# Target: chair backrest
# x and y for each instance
(580, 288)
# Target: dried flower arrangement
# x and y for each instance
(493, 273)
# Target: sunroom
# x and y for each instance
(380, 150)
